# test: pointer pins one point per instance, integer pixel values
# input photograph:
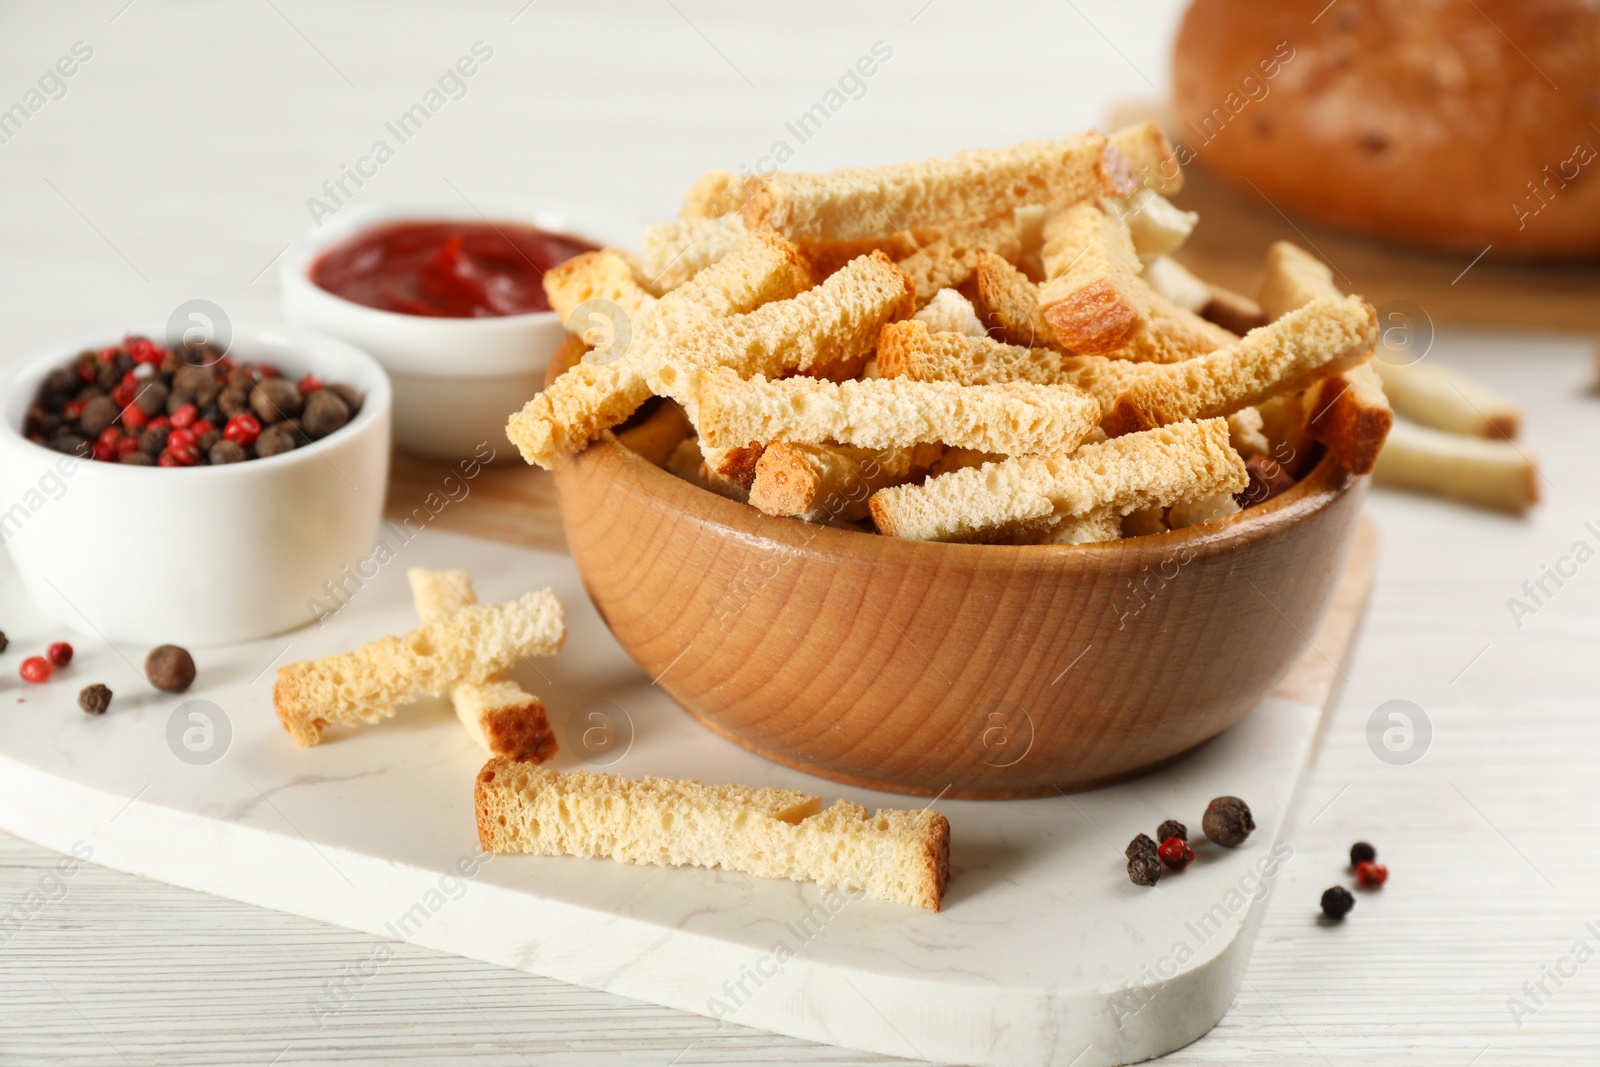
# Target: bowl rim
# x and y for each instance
(1318, 489)
(24, 374)
(349, 222)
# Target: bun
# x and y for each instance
(1429, 121)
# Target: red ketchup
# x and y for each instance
(451, 270)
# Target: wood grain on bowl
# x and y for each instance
(967, 670)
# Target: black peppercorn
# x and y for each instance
(348, 394)
(274, 440)
(225, 451)
(1337, 902)
(1144, 868)
(137, 459)
(275, 399)
(1227, 821)
(3, 641)
(1141, 845)
(169, 668)
(94, 699)
(1361, 852)
(1172, 828)
(324, 413)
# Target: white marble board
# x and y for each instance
(1044, 953)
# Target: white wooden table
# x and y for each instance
(177, 164)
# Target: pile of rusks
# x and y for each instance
(995, 347)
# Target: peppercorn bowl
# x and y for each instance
(197, 555)
(455, 379)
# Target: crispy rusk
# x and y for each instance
(714, 193)
(1232, 311)
(1445, 399)
(607, 274)
(1016, 418)
(736, 465)
(1172, 280)
(1201, 509)
(1472, 470)
(497, 713)
(866, 203)
(1324, 338)
(947, 263)
(910, 350)
(591, 397)
(1157, 226)
(896, 855)
(830, 323)
(1283, 424)
(674, 252)
(657, 434)
(365, 683)
(823, 482)
(1008, 304)
(951, 312)
(1147, 148)
(1348, 412)
(1097, 526)
(1092, 294)
(1156, 468)
(1294, 278)
(1247, 434)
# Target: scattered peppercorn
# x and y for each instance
(1361, 852)
(1172, 828)
(173, 406)
(94, 699)
(1371, 875)
(36, 669)
(1227, 821)
(169, 668)
(1337, 902)
(59, 654)
(1176, 853)
(3, 641)
(1142, 845)
(1144, 868)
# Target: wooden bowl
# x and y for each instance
(983, 671)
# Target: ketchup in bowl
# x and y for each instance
(452, 270)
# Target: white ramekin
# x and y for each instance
(195, 555)
(456, 381)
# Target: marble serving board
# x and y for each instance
(1044, 953)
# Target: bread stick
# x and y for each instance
(674, 252)
(1092, 295)
(657, 435)
(1471, 470)
(1326, 337)
(1094, 527)
(590, 397)
(823, 482)
(1348, 412)
(497, 714)
(949, 261)
(1008, 304)
(862, 203)
(1015, 419)
(365, 684)
(1432, 394)
(1156, 468)
(715, 193)
(895, 855)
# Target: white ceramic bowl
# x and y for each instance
(196, 555)
(456, 381)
